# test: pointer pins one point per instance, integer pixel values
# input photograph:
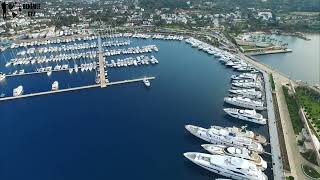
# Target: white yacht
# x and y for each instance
(249, 93)
(245, 68)
(18, 91)
(245, 102)
(55, 86)
(240, 152)
(247, 85)
(146, 82)
(76, 68)
(244, 76)
(228, 166)
(49, 73)
(2, 76)
(243, 81)
(247, 115)
(245, 133)
(223, 136)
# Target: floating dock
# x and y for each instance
(75, 89)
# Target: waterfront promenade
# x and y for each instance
(277, 165)
(279, 78)
(294, 156)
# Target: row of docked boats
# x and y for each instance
(132, 50)
(132, 61)
(52, 41)
(236, 63)
(211, 50)
(246, 94)
(71, 47)
(82, 67)
(49, 69)
(167, 37)
(78, 55)
(144, 36)
(52, 58)
(234, 152)
(90, 38)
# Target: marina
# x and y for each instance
(107, 71)
(39, 56)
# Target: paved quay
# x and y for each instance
(277, 166)
(294, 156)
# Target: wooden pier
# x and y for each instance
(74, 89)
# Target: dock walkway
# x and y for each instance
(74, 89)
(277, 165)
(102, 76)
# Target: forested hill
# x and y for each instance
(226, 5)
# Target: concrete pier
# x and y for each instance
(103, 82)
(74, 89)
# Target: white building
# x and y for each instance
(265, 15)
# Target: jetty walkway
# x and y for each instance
(76, 88)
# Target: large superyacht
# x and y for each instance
(244, 76)
(245, 102)
(228, 166)
(224, 136)
(246, 115)
(240, 152)
(249, 93)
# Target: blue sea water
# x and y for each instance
(303, 63)
(120, 132)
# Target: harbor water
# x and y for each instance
(303, 63)
(124, 131)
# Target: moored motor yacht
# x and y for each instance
(246, 114)
(18, 91)
(240, 152)
(223, 136)
(228, 166)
